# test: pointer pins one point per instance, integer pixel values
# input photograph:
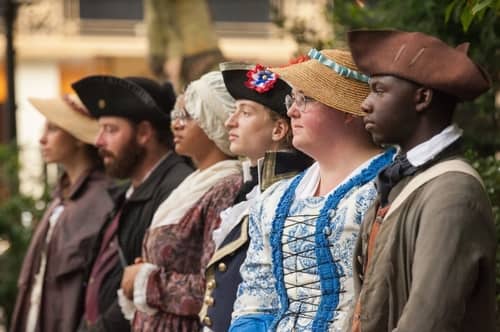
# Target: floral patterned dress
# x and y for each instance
(181, 252)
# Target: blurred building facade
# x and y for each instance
(59, 41)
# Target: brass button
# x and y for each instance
(211, 284)
(101, 103)
(209, 301)
(222, 267)
(207, 321)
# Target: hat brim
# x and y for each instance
(113, 96)
(419, 58)
(57, 111)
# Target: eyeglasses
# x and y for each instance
(179, 114)
(299, 99)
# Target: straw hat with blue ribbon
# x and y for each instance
(330, 77)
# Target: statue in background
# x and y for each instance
(182, 40)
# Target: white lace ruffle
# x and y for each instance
(140, 288)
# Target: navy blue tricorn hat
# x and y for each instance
(134, 98)
(255, 83)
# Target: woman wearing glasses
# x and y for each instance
(260, 132)
(164, 290)
(297, 275)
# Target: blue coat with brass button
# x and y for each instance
(223, 271)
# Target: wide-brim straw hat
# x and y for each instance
(343, 88)
(68, 113)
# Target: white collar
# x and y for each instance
(246, 165)
(426, 151)
(190, 190)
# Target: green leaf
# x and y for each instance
(466, 18)
(449, 10)
(481, 6)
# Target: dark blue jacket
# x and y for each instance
(223, 270)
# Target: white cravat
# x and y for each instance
(426, 151)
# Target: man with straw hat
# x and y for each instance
(136, 143)
(51, 281)
(298, 272)
(426, 256)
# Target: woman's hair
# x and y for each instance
(286, 142)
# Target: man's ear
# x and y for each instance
(423, 98)
(144, 132)
(280, 130)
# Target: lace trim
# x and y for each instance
(328, 269)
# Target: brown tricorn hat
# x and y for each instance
(420, 58)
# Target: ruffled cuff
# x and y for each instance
(127, 306)
(141, 287)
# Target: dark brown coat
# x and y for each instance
(68, 255)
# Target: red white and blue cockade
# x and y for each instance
(261, 79)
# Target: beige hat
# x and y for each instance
(68, 113)
(209, 103)
(330, 77)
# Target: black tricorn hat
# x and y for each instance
(134, 98)
(268, 92)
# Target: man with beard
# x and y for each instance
(136, 143)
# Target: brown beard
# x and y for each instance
(125, 162)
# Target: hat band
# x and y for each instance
(338, 68)
(73, 105)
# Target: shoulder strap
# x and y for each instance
(455, 165)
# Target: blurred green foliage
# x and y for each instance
(14, 208)
(443, 19)
(489, 168)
